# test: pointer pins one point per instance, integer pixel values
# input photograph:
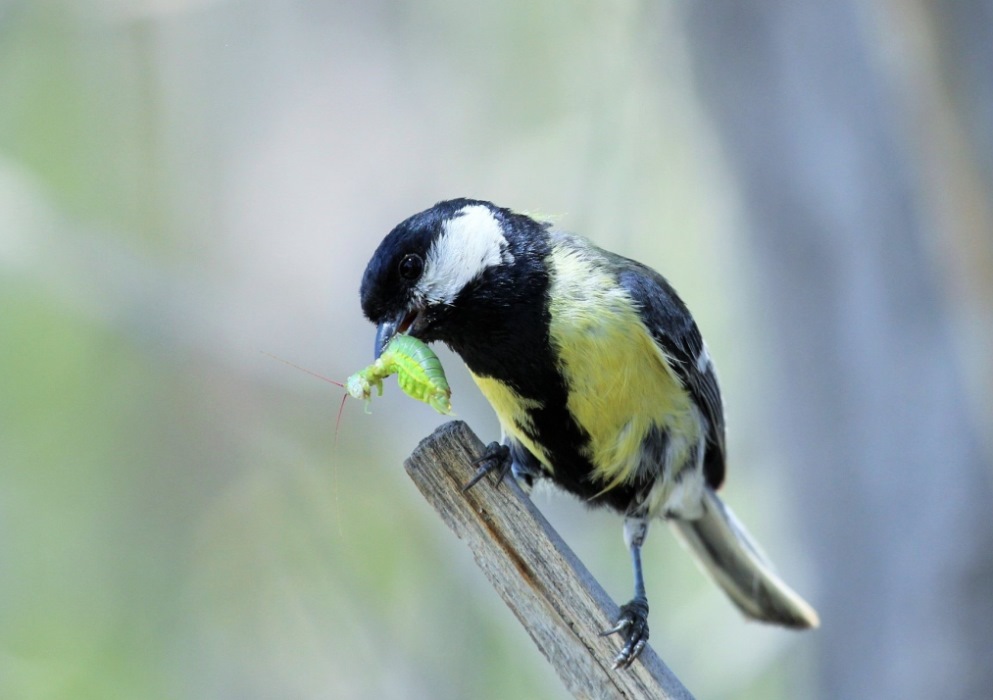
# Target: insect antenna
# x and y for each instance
(337, 422)
(302, 369)
(337, 426)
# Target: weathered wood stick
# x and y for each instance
(560, 604)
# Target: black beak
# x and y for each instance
(384, 334)
(411, 322)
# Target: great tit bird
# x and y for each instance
(598, 375)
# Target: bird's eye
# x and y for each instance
(411, 266)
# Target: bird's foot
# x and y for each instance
(496, 457)
(632, 625)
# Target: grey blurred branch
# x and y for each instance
(559, 603)
(872, 400)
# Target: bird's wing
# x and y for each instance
(673, 329)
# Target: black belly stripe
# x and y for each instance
(509, 342)
(565, 443)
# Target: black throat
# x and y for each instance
(500, 328)
(499, 323)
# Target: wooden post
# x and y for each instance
(559, 603)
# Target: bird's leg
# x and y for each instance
(632, 624)
(525, 474)
(496, 457)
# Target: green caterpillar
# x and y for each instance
(418, 369)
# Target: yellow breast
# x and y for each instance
(512, 411)
(620, 383)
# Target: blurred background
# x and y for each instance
(188, 184)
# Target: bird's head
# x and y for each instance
(431, 268)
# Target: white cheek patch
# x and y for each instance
(471, 242)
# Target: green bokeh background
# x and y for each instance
(188, 184)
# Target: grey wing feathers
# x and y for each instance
(673, 328)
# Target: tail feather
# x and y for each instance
(729, 555)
